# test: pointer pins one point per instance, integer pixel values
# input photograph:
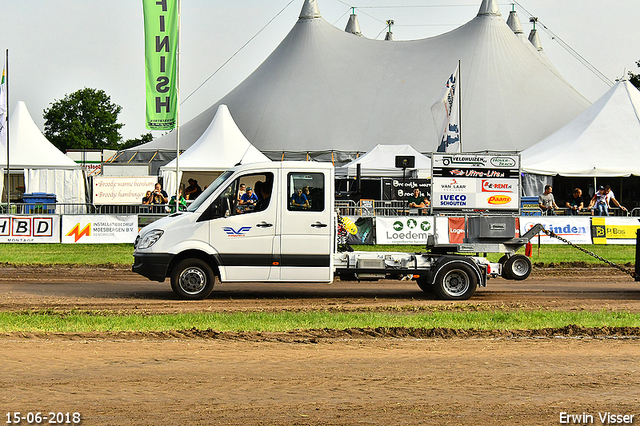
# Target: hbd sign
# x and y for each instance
(32, 229)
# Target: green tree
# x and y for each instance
(84, 119)
(635, 78)
(130, 143)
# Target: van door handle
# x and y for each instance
(319, 225)
(264, 224)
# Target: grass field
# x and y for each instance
(76, 322)
(100, 254)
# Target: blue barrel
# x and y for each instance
(39, 202)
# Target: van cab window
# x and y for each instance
(306, 191)
(244, 195)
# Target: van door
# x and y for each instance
(306, 226)
(243, 234)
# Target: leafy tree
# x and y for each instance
(635, 78)
(83, 120)
(130, 143)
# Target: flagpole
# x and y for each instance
(6, 85)
(460, 105)
(178, 111)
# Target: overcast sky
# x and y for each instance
(59, 46)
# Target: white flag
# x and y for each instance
(446, 116)
(3, 109)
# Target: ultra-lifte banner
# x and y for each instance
(161, 43)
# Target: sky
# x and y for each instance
(56, 47)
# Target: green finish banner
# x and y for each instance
(161, 43)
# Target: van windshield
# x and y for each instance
(209, 190)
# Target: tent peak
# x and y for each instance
(514, 23)
(353, 26)
(310, 10)
(489, 7)
(534, 38)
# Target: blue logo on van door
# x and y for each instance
(236, 233)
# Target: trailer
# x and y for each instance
(292, 235)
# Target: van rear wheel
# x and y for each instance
(192, 279)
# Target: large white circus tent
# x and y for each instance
(600, 142)
(220, 147)
(45, 168)
(332, 95)
(603, 141)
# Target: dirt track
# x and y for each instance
(341, 378)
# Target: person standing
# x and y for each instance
(547, 202)
(416, 201)
(574, 202)
(159, 195)
(193, 190)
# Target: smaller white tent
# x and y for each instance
(381, 162)
(220, 147)
(46, 169)
(602, 141)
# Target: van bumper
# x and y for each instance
(152, 265)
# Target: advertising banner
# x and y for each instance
(360, 229)
(404, 229)
(394, 189)
(614, 230)
(121, 190)
(574, 229)
(99, 229)
(30, 229)
(468, 182)
(161, 43)
(456, 230)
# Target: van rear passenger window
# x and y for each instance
(306, 191)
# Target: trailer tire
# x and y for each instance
(425, 285)
(192, 279)
(505, 271)
(456, 281)
(518, 267)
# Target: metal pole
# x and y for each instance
(178, 112)
(637, 276)
(460, 105)
(7, 183)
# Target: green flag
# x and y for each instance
(161, 42)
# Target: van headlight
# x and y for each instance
(149, 239)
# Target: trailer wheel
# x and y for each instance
(192, 279)
(505, 271)
(425, 285)
(456, 281)
(518, 267)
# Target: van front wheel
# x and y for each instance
(192, 279)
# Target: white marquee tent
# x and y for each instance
(220, 147)
(332, 95)
(45, 168)
(602, 141)
(380, 162)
